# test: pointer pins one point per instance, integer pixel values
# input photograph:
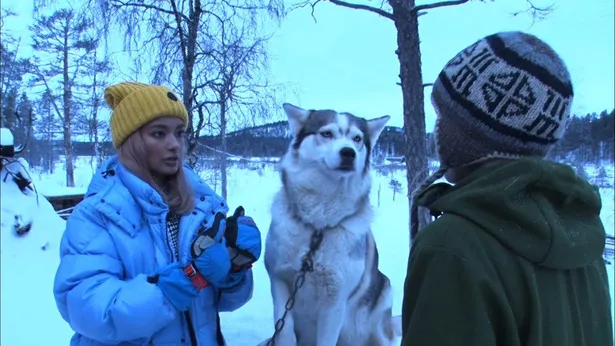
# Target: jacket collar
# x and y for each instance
(146, 197)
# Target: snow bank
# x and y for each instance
(22, 207)
(28, 264)
(6, 137)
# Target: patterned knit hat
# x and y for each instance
(507, 95)
(136, 104)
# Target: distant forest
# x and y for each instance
(588, 138)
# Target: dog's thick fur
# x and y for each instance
(345, 300)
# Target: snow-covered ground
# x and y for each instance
(28, 271)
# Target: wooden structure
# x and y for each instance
(396, 159)
(609, 248)
(64, 205)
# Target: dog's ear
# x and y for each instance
(297, 116)
(375, 127)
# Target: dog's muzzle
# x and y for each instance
(347, 156)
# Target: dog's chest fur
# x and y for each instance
(338, 263)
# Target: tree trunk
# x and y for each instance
(187, 99)
(95, 106)
(223, 158)
(409, 54)
(97, 152)
(68, 145)
(189, 60)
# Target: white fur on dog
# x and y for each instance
(345, 300)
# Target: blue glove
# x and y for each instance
(243, 240)
(210, 264)
(208, 250)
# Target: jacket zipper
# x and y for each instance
(191, 332)
(166, 233)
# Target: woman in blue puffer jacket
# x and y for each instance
(149, 256)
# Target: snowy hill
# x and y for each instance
(28, 271)
(277, 129)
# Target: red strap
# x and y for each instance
(197, 279)
(237, 268)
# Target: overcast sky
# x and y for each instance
(346, 60)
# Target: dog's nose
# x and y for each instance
(348, 153)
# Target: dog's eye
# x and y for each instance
(327, 134)
(357, 138)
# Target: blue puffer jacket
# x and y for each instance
(113, 240)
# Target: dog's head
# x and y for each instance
(340, 143)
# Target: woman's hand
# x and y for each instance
(243, 240)
(210, 264)
(209, 255)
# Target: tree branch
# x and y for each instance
(378, 11)
(425, 7)
(425, 85)
(119, 3)
(346, 4)
(53, 102)
(535, 11)
(178, 20)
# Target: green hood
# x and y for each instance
(541, 210)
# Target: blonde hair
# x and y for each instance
(177, 192)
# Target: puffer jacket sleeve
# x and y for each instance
(237, 296)
(90, 292)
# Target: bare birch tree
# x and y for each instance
(91, 89)
(239, 91)
(48, 127)
(172, 40)
(63, 45)
(12, 70)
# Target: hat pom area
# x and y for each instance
(114, 94)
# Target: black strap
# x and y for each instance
(190, 329)
(219, 335)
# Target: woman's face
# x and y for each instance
(164, 141)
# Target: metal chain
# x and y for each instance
(307, 265)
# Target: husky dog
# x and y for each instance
(345, 299)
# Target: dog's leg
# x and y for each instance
(330, 322)
(396, 325)
(281, 293)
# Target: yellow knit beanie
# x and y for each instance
(136, 104)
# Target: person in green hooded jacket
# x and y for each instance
(514, 257)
